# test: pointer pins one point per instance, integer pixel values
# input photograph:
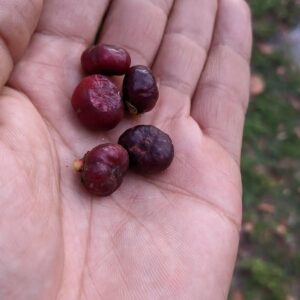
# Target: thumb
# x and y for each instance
(18, 19)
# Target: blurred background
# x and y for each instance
(268, 266)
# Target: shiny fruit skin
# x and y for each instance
(140, 90)
(103, 169)
(97, 103)
(106, 60)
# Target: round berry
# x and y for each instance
(150, 149)
(106, 60)
(102, 169)
(97, 103)
(140, 91)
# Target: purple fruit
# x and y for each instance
(102, 169)
(98, 103)
(150, 149)
(106, 60)
(140, 91)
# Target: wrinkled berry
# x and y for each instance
(140, 91)
(98, 103)
(106, 60)
(102, 169)
(150, 149)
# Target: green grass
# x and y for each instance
(269, 263)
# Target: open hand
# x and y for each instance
(169, 236)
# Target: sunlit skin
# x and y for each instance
(168, 236)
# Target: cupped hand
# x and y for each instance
(168, 236)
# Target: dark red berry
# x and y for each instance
(103, 168)
(98, 103)
(140, 91)
(150, 149)
(106, 60)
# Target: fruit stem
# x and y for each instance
(132, 109)
(78, 165)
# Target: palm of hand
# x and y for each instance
(172, 236)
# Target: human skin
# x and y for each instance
(169, 236)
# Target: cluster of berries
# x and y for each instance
(99, 105)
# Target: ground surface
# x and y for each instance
(269, 259)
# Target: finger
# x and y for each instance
(222, 95)
(76, 20)
(64, 31)
(18, 20)
(53, 57)
(184, 49)
(52, 61)
(138, 26)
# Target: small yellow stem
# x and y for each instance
(78, 165)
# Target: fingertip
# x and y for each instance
(235, 30)
(222, 95)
